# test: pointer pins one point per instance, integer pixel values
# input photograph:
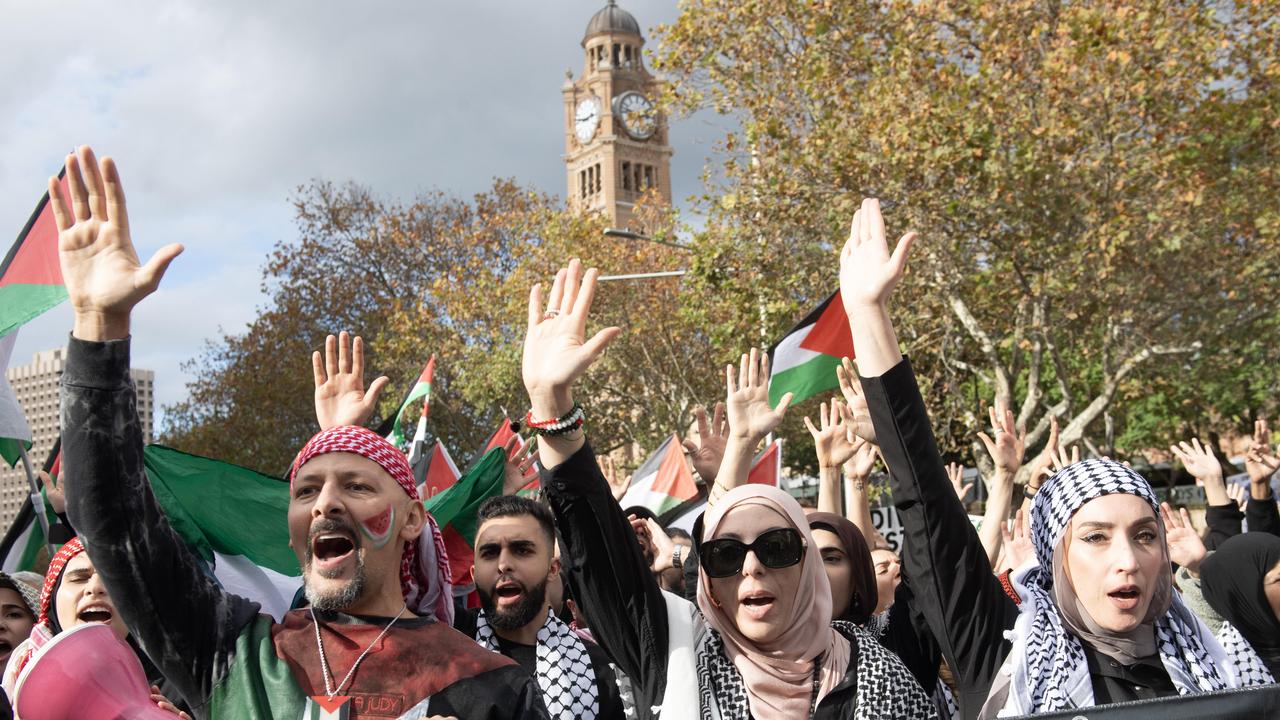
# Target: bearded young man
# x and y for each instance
(514, 565)
(377, 640)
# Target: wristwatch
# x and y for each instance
(676, 562)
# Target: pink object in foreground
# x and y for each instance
(85, 673)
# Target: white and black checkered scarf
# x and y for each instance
(1047, 668)
(565, 674)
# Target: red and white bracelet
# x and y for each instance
(562, 425)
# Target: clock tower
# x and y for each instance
(616, 146)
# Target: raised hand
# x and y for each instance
(618, 482)
(100, 266)
(663, 548)
(708, 452)
(556, 348)
(1016, 542)
(851, 388)
(868, 272)
(341, 398)
(955, 473)
(1061, 459)
(1261, 461)
(520, 467)
(747, 399)
(54, 491)
(1199, 460)
(1185, 546)
(860, 465)
(1010, 442)
(1237, 493)
(833, 440)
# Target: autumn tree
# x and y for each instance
(1095, 184)
(452, 277)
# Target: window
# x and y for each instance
(582, 182)
(648, 176)
(626, 176)
(616, 51)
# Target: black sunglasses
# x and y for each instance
(775, 549)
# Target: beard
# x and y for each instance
(333, 599)
(532, 601)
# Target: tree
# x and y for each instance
(451, 277)
(1095, 185)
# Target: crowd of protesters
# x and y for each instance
(1093, 592)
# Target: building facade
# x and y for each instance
(616, 145)
(36, 386)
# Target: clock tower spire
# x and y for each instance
(616, 146)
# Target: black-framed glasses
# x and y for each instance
(775, 549)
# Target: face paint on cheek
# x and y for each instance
(378, 528)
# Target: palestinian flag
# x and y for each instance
(440, 472)
(23, 543)
(421, 390)
(232, 518)
(15, 433)
(804, 362)
(664, 483)
(766, 469)
(455, 508)
(507, 430)
(30, 276)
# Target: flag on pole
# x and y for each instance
(421, 390)
(804, 361)
(20, 548)
(455, 510)
(766, 469)
(233, 518)
(663, 483)
(15, 433)
(30, 276)
(441, 473)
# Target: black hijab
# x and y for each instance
(862, 569)
(1231, 580)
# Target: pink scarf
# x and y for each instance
(779, 677)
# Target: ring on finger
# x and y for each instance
(550, 314)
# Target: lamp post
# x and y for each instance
(620, 233)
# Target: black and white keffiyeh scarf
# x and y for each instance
(565, 673)
(1047, 667)
(886, 689)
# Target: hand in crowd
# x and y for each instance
(341, 398)
(521, 466)
(618, 482)
(1010, 443)
(1261, 461)
(1016, 541)
(557, 352)
(1185, 546)
(55, 492)
(708, 452)
(863, 461)
(833, 439)
(750, 416)
(851, 388)
(163, 703)
(100, 267)
(1238, 493)
(663, 547)
(1199, 460)
(1041, 466)
(955, 472)
(1061, 459)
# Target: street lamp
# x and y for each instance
(620, 233)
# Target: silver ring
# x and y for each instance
(550, 314)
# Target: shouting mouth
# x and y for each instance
(1125, 597)
(95, 613)
(507, 592)
(329, 549)
(757, 605)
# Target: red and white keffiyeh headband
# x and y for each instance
(72, 548)
(424, 568)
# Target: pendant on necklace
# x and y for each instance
(337, 707)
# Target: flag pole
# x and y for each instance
(37, 500)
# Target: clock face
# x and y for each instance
(586, 118)
(637, 114)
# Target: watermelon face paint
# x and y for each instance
(378, 528)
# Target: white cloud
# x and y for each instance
(216, 112)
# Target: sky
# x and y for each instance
(217, 112)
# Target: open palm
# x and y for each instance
(868, 271)
(747, 399)
(556, 348)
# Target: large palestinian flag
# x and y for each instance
(804, 362)
(30, 277)
(455, 508)
(664, 483)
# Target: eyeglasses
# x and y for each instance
(775, 549)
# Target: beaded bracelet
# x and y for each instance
(562, 425)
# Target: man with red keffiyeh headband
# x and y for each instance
(376, 640)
